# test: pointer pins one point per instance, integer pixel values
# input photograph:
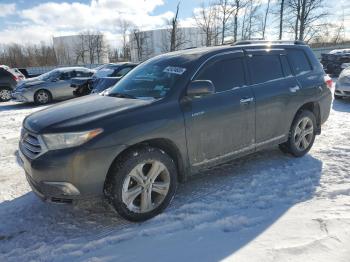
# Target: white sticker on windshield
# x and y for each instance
(174, 70)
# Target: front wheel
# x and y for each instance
(5, 94)
(301, 135)
(42, 97)
(142, 183)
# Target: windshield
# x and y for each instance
(49, 75)
(104, 72)
(153, 79)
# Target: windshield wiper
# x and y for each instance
(122, 95)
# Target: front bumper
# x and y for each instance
(342, 88)
(22, 97)
(69, 174)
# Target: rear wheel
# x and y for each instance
(5, 94)
(142, 183)
(302, 134)
(42, 97)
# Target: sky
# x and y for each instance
(32, 21)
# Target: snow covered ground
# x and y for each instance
(264, 207)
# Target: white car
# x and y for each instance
(342, 88)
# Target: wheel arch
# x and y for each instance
(163, 144)
(44, 89)
(313, 107)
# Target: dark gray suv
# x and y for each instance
(171, 117)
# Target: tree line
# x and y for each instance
(219, 21)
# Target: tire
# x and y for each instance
(130, 189)
(301, 135)
(42, 97)
(5, 94)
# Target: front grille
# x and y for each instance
(30, 144)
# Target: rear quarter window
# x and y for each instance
(265, 68)
(299, 61)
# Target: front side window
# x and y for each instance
(265, 68)
(299, 61)
(152, 79)
(123, 71)
(224, 74)
(104, 72)
(67, 75)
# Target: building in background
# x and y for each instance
(146, 44)
(82, 49)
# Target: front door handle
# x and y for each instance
(246, 100)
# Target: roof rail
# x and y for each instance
(252, 42)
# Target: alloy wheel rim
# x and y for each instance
(5, 94)
(43, 97)
(146, 186)
(303, 134)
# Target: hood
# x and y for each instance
(71, 115)
(29, 82)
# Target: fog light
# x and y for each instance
(66, 189)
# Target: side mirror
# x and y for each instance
(54, 79)
(200, 88)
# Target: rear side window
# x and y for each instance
(225, 74)
(264, 68)
(286, 66)
(299, 61)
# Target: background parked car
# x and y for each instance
(104, 83)
(333, 61)
(54, 85)
(342, 88)
(8, 81)
(84, 85)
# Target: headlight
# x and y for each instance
(66, 140)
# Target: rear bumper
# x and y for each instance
(325, 106)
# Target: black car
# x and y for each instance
(333, 61)
(103, 83)
(172, 116)
(84, 85)
(8, 82)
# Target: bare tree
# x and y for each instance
(307, 16)
(174, 39)
(226, 10)
(125, 27)
(139, 42)
(267, 11)
(239, 5)
(206, 19)
(80, 49)
(250, 23)
(281, 17)
(16, 55)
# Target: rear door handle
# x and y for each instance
(294, 89)
(246, 100)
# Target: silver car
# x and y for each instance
(54, 85)
(342, 88)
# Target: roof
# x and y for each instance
(201, 51)
(72, 68)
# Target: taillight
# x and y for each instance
(328, 81)
(16, 78)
